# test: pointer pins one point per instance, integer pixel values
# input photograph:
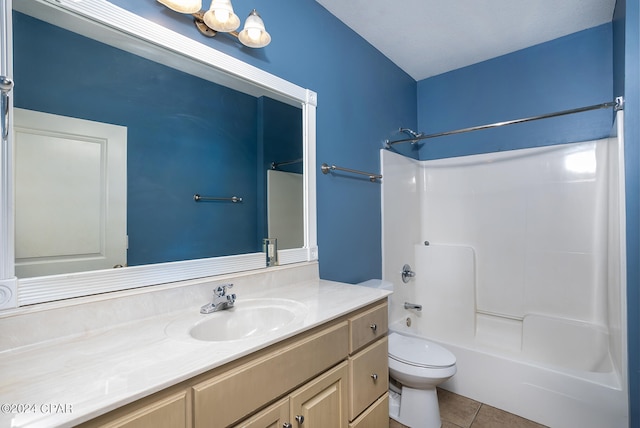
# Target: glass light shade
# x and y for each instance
(183, 6)
(220, 16)
(254, 35)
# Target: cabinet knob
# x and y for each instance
(300, 419)
(374, 377)
(287, 425)
(374, 327)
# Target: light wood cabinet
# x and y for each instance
(161, 411)
(322, 402)
(335, 375)
(367, 326)
(227, 398)
(368, 376)
(368, 361)
(274, 416)
(376, 416)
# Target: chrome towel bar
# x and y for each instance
(326, 169)
(199, 198)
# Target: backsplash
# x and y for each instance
(31, 325)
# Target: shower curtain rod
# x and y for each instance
(275, 165)
(617, 105)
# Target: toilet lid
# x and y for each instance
(419, 352)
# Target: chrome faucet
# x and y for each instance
(221, 300)
(415, 306)
(407, 273)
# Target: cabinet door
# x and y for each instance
(274, 416)
(322, 402)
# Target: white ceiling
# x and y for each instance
(430, 37)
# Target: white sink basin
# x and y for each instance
(247, 319)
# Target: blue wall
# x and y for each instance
(362, 99)
(566, 73)
(207, 148)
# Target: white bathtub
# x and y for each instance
(530, 299)
(550, 395)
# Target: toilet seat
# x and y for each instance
(419, 352)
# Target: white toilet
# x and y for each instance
(420, 366)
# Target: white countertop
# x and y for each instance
(68, 380)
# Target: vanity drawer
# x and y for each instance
(163, 412)
(368, 376)
(376, 416)
(276, 415)
(227, 398)
(368, 326)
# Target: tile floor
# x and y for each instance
(457, 411)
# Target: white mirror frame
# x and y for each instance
(108, 23)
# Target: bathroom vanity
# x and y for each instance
(318, 378)
(128, 359)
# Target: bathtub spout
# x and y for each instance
(408, 305)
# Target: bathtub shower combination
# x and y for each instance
(519, 267)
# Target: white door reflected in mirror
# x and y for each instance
(71, 194)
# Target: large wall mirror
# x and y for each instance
(140, 157)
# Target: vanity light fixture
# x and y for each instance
(220, 18)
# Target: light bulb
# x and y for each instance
(221, 15)
(254, 35)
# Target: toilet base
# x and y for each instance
(394, 404)
(418, 408)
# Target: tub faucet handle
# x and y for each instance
(407, 273)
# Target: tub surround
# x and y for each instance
(85, 357)
(530, 301)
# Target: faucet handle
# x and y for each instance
(221, 290)
(407, 273)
